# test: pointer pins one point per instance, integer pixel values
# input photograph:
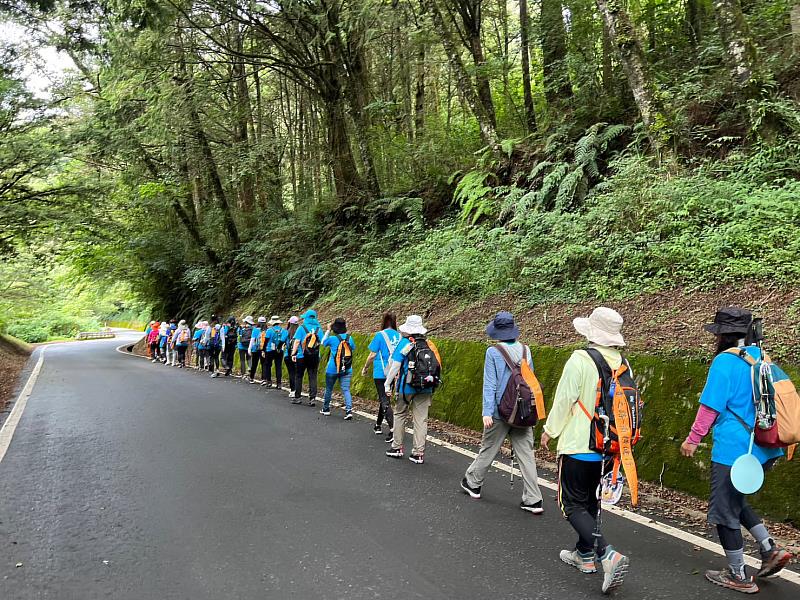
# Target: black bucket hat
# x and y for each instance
(502, 327)
(730, 320)
(339, 326)
(232, 320)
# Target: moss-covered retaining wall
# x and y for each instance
(670, 387)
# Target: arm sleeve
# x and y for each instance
(567, 394)
(489, 383)
(702, 424)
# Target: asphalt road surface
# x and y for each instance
(131, 480)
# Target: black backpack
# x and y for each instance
(245, 334)
(344, 355)
(424, 366)
(311, 342)
(518, 402)
(231, 336)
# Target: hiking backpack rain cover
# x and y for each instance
(617, 420)
(424, 365)
(522, 402)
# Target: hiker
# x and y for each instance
(340, 366)
(163, 336)
(230, 337)
(381, 349)
(181, 339)
(170, 347)
(288, 359)
(152, 341)
(497, 375)
(276, 340)
(199, 348)
(256, 348)
(305, 352)
(579, 468)
(416, 366)
(147, 331)
(214, 343)
(245, 333)
(727, 398)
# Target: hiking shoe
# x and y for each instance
(377, 430)
(295, 401)
(727, 579)
(325, 412)
(389, 438)
(395, 452)
(214, 375)
(774, 562)
(267, 383)
(535, 508)
(154, 360)
(615, 567)
(583, 562)
(348, 416)
(250, 380)
(311, 403)
(474, 492)
(417, 458)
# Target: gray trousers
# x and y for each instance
(522, 443)
(418, 409)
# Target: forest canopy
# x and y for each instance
(206, 153)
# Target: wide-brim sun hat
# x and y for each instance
(731, 319)
(248, 319)
(602, 327)
(182, 322)
(294, 319)
(413, 325)
(502, 327)
(262, 319)
(275, 320)
(309, 314)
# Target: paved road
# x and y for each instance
(135, 481)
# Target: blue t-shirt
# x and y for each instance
(729, 388)
(400, 353)
(382, 351)
(196, 339)
(276, 335)
(301, 334)
(255, 340)
(333, 342)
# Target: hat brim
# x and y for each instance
(501, 334)
(412, 330)
(721, 328)
(597, 336)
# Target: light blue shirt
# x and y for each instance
(332, 342)
(496, 374)
(382, 351)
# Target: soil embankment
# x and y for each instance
(14, 354)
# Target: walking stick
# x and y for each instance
(598, 520)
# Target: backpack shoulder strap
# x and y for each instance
(435, 351)
(507, 357)
(603, 368)
(743, 354)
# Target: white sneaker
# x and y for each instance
(615, 567)
(584, 563)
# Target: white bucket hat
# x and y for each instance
(262, 319)
(275, 320)
(413, 325)
(603, 327)
(249, 320)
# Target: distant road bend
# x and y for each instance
(128, 480)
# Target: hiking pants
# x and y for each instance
(170, 354)
(344, 382)
(384, 404)
(213, 359)
(290, 373)
(522, 443)
(303, 365)
(577, 498)
(227, 358)
(181, 355)
(153, 350)
(271, 357)
(418, 406)
(255, 358)
(244, 362)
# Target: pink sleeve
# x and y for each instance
(702, 424)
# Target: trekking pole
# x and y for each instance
(598, 519)
(512, 467)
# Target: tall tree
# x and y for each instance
(739, 47)
(527, 93)
(554, 52)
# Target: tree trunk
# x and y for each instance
(524, 30)
(554, 52)
(608, 67)
(419, 92)
(463, 81)
(795, 20)
(346, 179)
(694, 21)
(735, 35)
(650, 17)
(623, 36)
(478, 58)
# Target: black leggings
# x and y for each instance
(255, 357)
(384, 405)
(227, 358)
(731, 539)
(271, 357)
(311, 365)
(181, 354)
(290, 370)
(577, 497)
(212, 358)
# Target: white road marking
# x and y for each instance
(10, 425)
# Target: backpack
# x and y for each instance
(344, 355)
(245, 333)
(522, 402)
(183, 336)
(617, 419)
(776, 402)
(215, 339)
(231, 336)
(276, 339)
(424, 365)
(311, 343)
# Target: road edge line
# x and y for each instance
(10, 424)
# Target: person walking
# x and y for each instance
(381, 349)
(152, 341)
(163, 336)
(181, 339)
(305, 350)
(288, 359)
(245, 334)
(726, 405)
(170, 348)
(579, 468)
(340, 366)
(256, 348)
(275, 342)
(214, 342)
(496, 377)
(230, 336)
(416, 367)
(199, 347)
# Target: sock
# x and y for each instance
(761, 535)
(736, 561)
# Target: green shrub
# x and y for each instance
(33, 333)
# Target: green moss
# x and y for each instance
(670, 387)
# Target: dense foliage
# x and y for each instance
(203, 152)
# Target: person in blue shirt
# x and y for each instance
(381, 348)
(288, 359)
(199, 348)
(245, 333)
(305, 353)
(338, 370)
(231, 336)
(172, 358)
(728, 394)
(275, 342)
(256, 348)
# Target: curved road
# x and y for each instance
(135, 481)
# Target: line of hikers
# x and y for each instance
(596, 414)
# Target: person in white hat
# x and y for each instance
(579, 467)
(245, 333)
(416, 366)
(276, 339)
